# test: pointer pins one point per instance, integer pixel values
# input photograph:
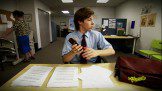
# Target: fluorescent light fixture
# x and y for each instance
(67, 1)
(102, 1)
(65, 12)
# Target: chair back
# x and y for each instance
(120, 32)
(156, 44)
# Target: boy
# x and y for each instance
(89, 41)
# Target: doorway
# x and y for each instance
(44, 27)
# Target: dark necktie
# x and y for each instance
(84, 44)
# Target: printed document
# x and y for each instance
(35, 76)
(95, 77)
(64, 77)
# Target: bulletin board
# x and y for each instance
(112, 25)
(7, 13)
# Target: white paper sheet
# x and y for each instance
(112, 23)
(64, 77)
(9, 24)
(3, 18)
(95, 77)
(105, 22)
(35, 76)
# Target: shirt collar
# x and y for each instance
(80, 34)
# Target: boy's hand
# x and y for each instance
(77, 49)
(89, 53)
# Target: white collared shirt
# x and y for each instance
(94, 40)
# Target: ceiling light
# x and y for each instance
(65, 12)
(49, 12)
(67, 1)
(102, 1)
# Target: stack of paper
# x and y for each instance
(35, 76)
(95, 77)
(64, 77)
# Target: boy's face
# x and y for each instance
(87, 24)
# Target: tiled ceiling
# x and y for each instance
(57, 6)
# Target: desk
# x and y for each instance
(124, 37)
(118, 85)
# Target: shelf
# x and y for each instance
(3, 23)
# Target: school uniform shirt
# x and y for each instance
(94, 40)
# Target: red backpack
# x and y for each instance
(139, 71)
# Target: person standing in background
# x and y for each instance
(65, 30)
(22, 33)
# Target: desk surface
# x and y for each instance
(118, 85)
(118, 37)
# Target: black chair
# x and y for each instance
(4, 41)
(100, 60)
(4, 52)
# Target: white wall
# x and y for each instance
(59, 19)
(9, 5)
(27, 6)
(132, 10)
(100, 12)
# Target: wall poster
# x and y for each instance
(148, 20)
(151, 20)
(28, 17)
(143, 20)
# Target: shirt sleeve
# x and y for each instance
(67, 46)
(103, 43)
(15, 25)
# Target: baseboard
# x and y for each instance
(39, 49)
(36, 47)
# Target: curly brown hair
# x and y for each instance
(81, 15)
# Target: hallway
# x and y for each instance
(50, 54)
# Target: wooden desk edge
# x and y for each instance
(8, 83)
(110, 66)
